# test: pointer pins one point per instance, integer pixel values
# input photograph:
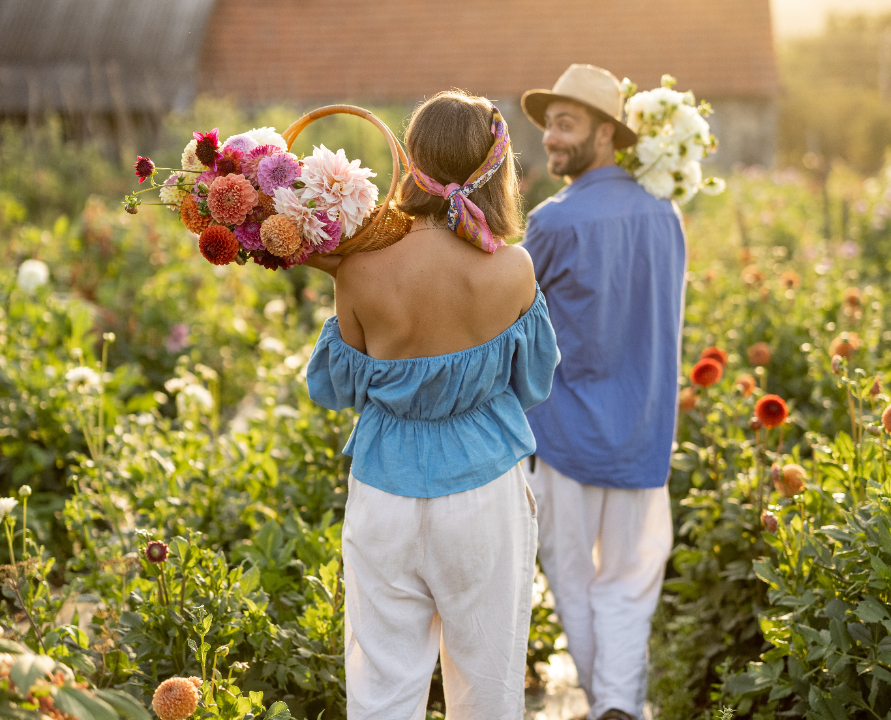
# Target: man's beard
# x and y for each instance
(578, 158)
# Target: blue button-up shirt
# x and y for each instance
(611, 261)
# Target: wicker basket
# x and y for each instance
(386, 224)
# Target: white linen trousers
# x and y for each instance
(603, 551)
(450, 575)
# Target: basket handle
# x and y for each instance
(395, 148)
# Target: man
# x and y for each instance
(610, 259)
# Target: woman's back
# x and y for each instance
(431, 294)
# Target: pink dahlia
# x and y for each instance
(208, 146)
(248, 234)
(230, 161)
(334, 230)
(230, 199)
(338, 185)
(207, 178)
(253, 158)
(277, 171)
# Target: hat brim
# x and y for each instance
(535, 102)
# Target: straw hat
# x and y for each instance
(592, 86)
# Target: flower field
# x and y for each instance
(173, 499)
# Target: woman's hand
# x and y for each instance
(328, 263)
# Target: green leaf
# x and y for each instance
(278, 711)
(840, 636)
(79, 704)
(870, 610)
(126, 705)
(27, 669)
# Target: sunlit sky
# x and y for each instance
(792, 18)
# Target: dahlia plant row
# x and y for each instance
(250, 198)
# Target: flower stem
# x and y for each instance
(24, 526)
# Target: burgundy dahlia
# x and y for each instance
(156, 552)
(208, 146)
(144, 167)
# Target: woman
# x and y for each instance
(440, 343)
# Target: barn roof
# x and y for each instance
(99, 55)
(259, 50)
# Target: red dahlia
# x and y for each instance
(208, 146)
(715, 353)
(218, 244)
(771, 410)
(156, 552)
(144, 167)
(706, 372)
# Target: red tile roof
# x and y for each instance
(392, 50)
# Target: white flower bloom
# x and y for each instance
(174, 385)
(83, 378)
(32, 274)
(688, 123)
(174, 190)
(190, 160)
(195, 395)
(649, 149)
(274, 308)
(714, 186)
(6, 506)
(267, 136)
(273, 345)
(285, 411)
(50, 371)
(144, 419)
(659, 183)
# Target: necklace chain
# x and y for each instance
(435, 226)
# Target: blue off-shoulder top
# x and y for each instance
(438, 425)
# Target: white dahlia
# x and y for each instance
(190, 160)
(174, 190)
(659, 183)
(340, 186)
(267, 136)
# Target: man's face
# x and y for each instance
(568, 139)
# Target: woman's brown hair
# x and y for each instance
(448, 138)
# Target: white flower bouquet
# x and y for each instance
(674, 138)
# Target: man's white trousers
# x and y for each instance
(450, 575)
(603, 551)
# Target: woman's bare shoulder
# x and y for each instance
(516, 274)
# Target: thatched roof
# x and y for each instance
(96, 56)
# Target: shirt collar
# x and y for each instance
(609, 172)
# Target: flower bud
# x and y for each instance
(25, 491)
(156, 552)
(886, 419)
(776, 476)
(202, 188)
(793, 480)
(836, 364)
(874, 430)
(108, 337)
(769, 521)
(755, 424)
(876, 387)
(222, 650)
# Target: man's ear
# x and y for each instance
(604, 134)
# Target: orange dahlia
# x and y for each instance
(715, 353)
(281, 236)
(706, 372)
(759, 354)
(687, 399)
(230, 199)
(886, 419)
(193, 220)
(851, 296)
(266, 203)
(771, 410)
(845, 345)
(791, 480)
(790, 280)
(745, 383)
(175, 699)
(219, 245)
(752, 275)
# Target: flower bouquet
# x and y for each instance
(250, 198)
(674, 139)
